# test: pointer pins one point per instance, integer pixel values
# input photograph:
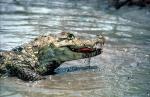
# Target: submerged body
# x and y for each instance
(44, 54)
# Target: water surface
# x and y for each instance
(122, 70)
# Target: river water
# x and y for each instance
(122, 70)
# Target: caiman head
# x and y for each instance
(69, 47)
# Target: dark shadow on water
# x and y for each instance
(74, 68)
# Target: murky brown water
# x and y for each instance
(123, 70)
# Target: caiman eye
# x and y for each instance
(70, 36)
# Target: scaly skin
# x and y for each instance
(44, 54)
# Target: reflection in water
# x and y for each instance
(74, 68)
(123, 70)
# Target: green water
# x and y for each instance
(122, 70)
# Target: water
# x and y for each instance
(123, 70)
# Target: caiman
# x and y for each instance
(41, 56)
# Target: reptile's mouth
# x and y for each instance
(87, 50)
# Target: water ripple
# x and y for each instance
(122, 70)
